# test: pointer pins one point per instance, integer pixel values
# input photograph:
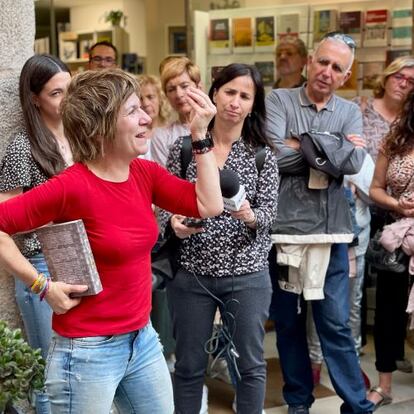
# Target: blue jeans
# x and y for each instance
(193, 310)
(84, 375)
(331, 320)
(355, 298)
(37, 320)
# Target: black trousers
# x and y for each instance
(390, 319)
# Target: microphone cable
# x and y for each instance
(220, 344)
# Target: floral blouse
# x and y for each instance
(19, 169)
(228, 246)
(375, 127)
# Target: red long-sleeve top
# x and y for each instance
(122, 230)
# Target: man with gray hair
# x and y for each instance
(313, 227)
(291, 56)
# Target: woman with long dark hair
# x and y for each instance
(223, 263)
(33, 156)
(392, 188)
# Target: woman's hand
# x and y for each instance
(406, 207)
(180, 229)
(58, 296)
(203, 111)
(245, 214)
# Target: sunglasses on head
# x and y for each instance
(348, 40)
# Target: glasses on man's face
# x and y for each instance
(342, 37)
(399, 77)
(99, 59)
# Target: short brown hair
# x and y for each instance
(298, 43)
(90, 110)
(177, 67)
(395, 66)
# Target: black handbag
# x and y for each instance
(164, 257)
(380, 258)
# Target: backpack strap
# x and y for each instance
(186, 155)
(260, 158)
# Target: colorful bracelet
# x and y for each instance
(44, 291)
(39, 284)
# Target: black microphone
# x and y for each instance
(232, 191)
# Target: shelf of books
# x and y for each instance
(381, 30)
(74, 46)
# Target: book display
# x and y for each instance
(382, 31)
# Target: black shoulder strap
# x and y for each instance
(260, 158)
(186, 155)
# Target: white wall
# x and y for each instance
(92, 17)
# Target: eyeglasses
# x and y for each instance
(99, 59)
(341, 37)
(399, 77)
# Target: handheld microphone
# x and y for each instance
(232, 191)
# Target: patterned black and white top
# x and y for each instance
(19, 169)
(228, 246)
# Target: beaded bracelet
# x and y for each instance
(44, 291)
(203, 146)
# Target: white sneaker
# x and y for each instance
(234, 406)
(204, 401)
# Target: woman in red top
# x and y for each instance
(104, 346)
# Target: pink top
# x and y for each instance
(121, 229)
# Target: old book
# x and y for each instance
(267, 71)
(69, 256)
(287, 27)
(242, 35)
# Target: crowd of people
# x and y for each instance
(140, 159)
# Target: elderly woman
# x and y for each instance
(224, 263)
(392, 188)
(177, 76)
(104, 346)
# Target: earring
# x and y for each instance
(249, 115)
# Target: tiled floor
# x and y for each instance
(403, 385)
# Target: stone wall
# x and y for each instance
(17, 32)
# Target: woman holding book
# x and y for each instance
(36, 154)
(104, 346)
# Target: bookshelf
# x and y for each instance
(74, 46)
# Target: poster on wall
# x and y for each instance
(242, 35)
(401, 27)
(376, 28)
(350, 23)
(265, 34)
(267, 70)
(370, 73)
(219, 39)
(324, 21)
(287, 27)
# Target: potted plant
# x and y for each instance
(21, 367)
(114, 17)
